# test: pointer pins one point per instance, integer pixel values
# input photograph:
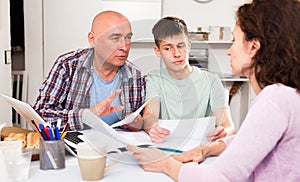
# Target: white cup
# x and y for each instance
(92, 161)
(15, 145)
(17, 163)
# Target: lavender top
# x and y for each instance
(267, 146)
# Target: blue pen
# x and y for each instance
(170, 150)
(50, 133)
(41, 126)
(57, 134)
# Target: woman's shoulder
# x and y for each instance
(280, 94)
(280, 90)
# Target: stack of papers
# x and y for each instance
(185, 133)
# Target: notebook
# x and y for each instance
(25, 110)
(29, 114)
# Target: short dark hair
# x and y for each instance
(276, 25)
(167, 27)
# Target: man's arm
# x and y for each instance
(54, 100)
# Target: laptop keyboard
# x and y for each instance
(72, 136)
(71, 140)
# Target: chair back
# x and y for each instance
(19, 88)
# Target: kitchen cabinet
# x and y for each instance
(142, 54)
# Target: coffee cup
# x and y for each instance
(92, 160)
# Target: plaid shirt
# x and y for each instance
(66, 91)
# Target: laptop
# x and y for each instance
(28, 113)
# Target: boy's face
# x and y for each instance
(174, 50)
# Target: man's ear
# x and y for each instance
(157, 51)
(91, 38)
(254, 47)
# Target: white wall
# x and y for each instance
(216, 12)
(5, 69)
(74, 13)
(33, 46)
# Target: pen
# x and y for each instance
(65, 128)
(51, 137)
(63, 135)
(47, 132)
(170, 150)
(162, 148)
(37, 129)
(41, 126)
(58, 124)
(57, 134)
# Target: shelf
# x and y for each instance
(211, 42)
(234, 79)
(193, 42)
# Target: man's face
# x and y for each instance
(174, 51)
(112, 45)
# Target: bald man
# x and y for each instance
(99, 78)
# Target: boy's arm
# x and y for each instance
(151, 113)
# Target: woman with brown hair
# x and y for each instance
(266, 49)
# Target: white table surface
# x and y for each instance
(127, 170)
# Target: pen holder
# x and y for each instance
(52, 154)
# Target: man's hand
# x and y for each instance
(217, 133)
(104, 108)
(158, 134)
(135, 125)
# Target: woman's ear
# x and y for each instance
(157, 51)
(254, 47)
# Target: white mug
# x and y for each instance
(92, 160)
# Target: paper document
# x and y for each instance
(101, 132)
(25, 110)
(186, 133)
(131, 117)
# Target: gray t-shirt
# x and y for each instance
(196, 96)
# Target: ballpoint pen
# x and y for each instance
(58, 124)
(63, 135)
(57, 134)
(47, 132)
(37, 129)
(41, 126)
(51, 136)
(65, 128)
(170, 150)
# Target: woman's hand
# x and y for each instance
(196, 155)
(151, 159)
(217, 133)
(155, 160)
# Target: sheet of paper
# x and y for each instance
(186, 133)
(138, 137)
(131, 117)
(102, 132)
(25, 110)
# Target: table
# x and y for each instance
(127, 170)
